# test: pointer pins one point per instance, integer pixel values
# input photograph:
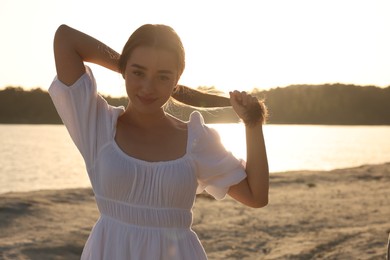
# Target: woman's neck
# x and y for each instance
(144, 120)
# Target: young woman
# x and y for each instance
(145, 165)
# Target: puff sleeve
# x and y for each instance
(216, 168)
(86, 115)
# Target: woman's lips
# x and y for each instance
(146, 100)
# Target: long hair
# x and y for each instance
(165, 38)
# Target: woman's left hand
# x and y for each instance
(242, 102)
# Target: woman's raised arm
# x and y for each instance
(252, 191)
(72, 48)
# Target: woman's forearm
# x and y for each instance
(257, 164)
(253, 190)
(72, 48)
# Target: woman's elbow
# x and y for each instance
(62, 35)
(259, 203)
(61, 30)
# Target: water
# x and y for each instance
(316, 147)
(36, 157)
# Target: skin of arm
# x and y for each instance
(253, 190)
(72, 48)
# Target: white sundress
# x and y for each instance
(145, 207)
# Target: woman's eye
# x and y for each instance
(138, 73)
(164, 78)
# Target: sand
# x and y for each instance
(339, 214)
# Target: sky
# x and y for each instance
(230, 44)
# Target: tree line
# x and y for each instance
(332, 104)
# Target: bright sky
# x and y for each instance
(230, 44)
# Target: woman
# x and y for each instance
(145, 165)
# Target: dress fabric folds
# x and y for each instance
(145, 207)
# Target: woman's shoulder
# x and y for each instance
(196, 122)
(200, 132)
(196, 127)
(85, 83)
(196, 118)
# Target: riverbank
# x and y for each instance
(339, 214)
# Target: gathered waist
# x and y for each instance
(142, 216)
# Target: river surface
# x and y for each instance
(34, 157)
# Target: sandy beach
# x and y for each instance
(339, 214)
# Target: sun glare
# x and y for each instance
(229, 45)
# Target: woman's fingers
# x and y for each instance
(248, 107)
(243, 98)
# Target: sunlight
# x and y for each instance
(312, 147)
(229, 44)
(236, 145)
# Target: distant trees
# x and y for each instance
(328, 104)
(297, 104)
(18, 106)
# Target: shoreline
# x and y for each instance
(337, 214)
(292, 171)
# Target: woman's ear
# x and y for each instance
(175, 89)
(177, 80)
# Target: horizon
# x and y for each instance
(213, 88)
(266, 45)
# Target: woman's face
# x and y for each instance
(151, 74)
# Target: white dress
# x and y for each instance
(145, 207)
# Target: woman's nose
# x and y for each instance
(148, 85)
